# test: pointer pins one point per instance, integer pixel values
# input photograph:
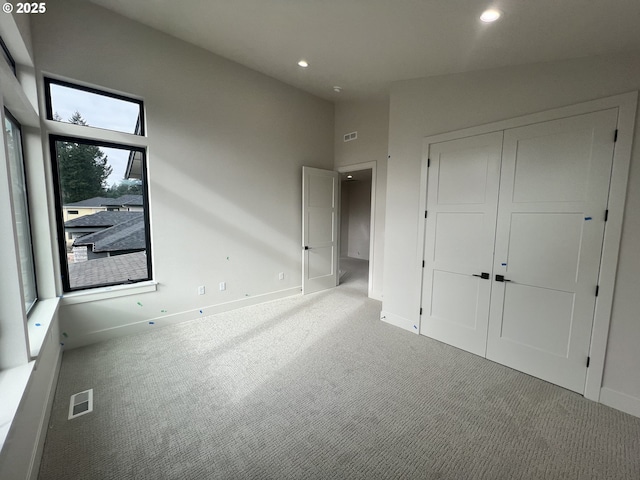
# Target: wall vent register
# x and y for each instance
(350, 136)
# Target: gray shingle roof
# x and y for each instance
(127, 235)
(102, 219)
(104, 271)
(108, 202)
(89, 202)
(132, 200)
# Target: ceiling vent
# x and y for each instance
(350, 136)
(81, 403)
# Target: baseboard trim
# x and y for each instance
(398, 321)
(375, 295)
(620, 401)
(172, 319)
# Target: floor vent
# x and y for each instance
(81, 403)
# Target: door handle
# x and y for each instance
(500, 278)
(306, 247)
(483, 275)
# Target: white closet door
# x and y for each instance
(462, 200)
(551, 217)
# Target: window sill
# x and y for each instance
(39, 322)
(13, 384)
(104, 293)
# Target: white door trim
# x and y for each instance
(627, 105)
(372, 236)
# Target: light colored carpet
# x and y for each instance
(354, 273)
(318, 387)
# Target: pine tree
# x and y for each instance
(83, 168)
(125, 187)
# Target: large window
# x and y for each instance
(13, 136)
(101, 191)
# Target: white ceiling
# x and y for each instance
(364, 45)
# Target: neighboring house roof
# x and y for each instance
(133, 200)
(89, 202)
(104, 271)
(134, 164)
(126, 235)
(103, 219)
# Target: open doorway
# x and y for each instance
(356, 221)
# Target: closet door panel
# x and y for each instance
(553, 196)
(462, 199)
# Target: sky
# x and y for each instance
(102, 112)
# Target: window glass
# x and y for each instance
(13, 136)
(98, 109)
(106, 242)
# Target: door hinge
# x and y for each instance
(420, 310)
(429, 161)
(588, 361)
(606, 215)
(425, 214)
(615, 136)
(422, 263)
(597, 290)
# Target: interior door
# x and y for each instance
(551, 218)
(463, 181)
(320, 207)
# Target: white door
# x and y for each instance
(463, 181)
(320, 207)
(553, 197)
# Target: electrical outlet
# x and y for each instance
(223, 286)
(281, 276)
(201, 290)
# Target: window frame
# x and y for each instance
(62, 244)
(48, 81)
(8, 115)
(8, 57)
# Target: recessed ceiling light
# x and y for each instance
(490, 15)
(303, 63)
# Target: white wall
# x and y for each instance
(226, 150)
(429, 106)
(371, 120)
(358, 218)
